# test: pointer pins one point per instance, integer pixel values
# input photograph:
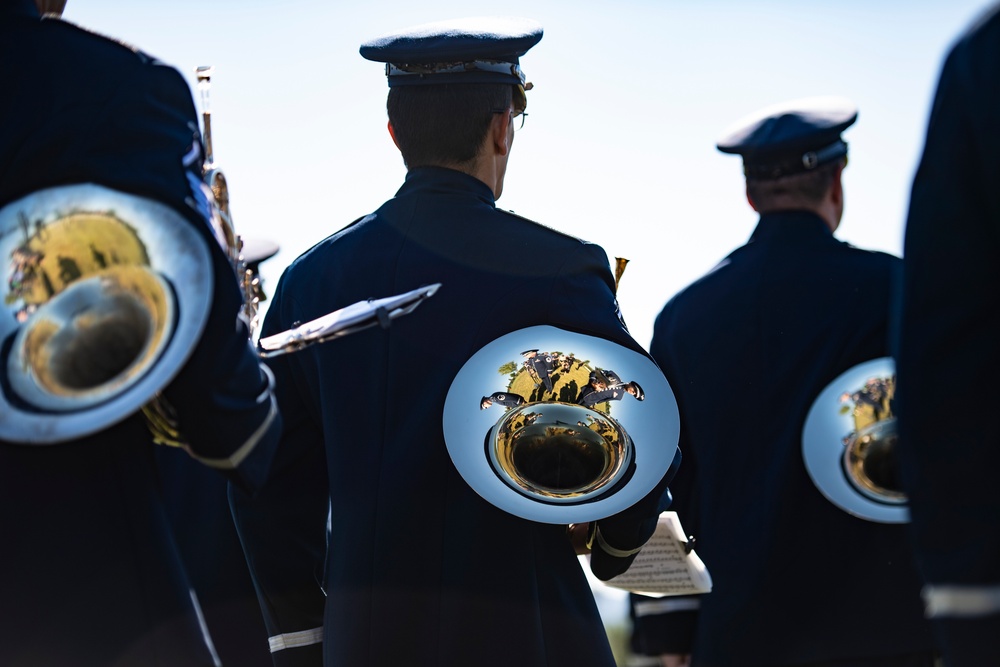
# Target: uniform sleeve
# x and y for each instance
(226, 400)
(662, 626)
(947, 358)
(619, 537)
(222, 396)
(126, 123)
(283, 527)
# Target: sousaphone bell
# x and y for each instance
(850, 443)
(560, 427)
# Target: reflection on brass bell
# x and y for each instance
(850, 443)
(576, 428)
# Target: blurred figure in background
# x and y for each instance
(949, 352)
(748, 348)
(197, 505)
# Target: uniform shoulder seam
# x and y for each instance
(543, 226)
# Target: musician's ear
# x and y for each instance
(392, 133)
(499, 134)
(750, 199)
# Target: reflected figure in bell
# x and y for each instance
(540, 366)
(565, 362)
(605, 385)
(871, 403)
(24, 271)
(501, 398)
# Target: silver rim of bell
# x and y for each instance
(560, 427)
(849, 443)
(105, 295)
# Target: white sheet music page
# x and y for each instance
(664, 567)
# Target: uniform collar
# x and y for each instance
(441, 180)
(26, 8)
(790, 225)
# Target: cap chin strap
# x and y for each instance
(807, 162)
(423, 69)
(813, 159)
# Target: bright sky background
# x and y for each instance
(619, 147)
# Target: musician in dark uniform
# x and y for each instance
(418, 568)
(197, 505)
(605, 385)
(540, 366)
(749, 346)
(501, 398)
(948, 359)
(89, 571)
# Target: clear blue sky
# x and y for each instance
(629, 100)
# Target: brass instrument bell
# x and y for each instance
(103, 301)
(850, 443)
(560, 427)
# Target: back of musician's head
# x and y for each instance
(804, 189)
(444, 125)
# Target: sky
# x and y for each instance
(629, 99)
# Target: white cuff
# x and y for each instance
(295, 639)
(617, 553)
(233, 461)
(961, 601)
(665, 606)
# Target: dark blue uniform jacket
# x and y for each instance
(949, 355)
(747, 348)
(89, 571)
(420, 569)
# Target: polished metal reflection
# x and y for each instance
(345, 321)
(850, 444)
(100, 316)
(558, 451)
(870, 462)
(560, 427)
(104, 296)
(221, 217)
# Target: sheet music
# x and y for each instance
(662, 567)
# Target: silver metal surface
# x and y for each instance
(344, 321)
(848, 443)
(499, 388)
(104, 296)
